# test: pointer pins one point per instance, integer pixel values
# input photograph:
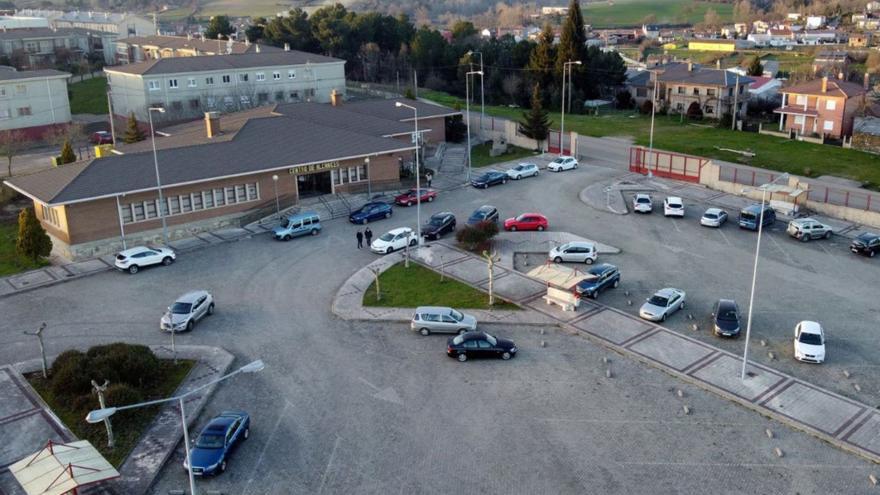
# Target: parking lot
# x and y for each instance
(370, 408)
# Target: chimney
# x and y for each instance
(287, 47)
(335, 98)
(824, 84)
(257, 48)
(690, 66)
(718, 64)
(212, 124)
(867, 82)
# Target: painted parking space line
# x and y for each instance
(829, 253)
(782, 250)
(675, 224)
(269, 438)
(724, 236)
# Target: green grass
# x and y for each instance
(10, 262)
(480, 155)
(633, 12)
(403, 287)
(89, 96)
(128, 426)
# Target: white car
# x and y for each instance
(563, 163)
(714, 217)
(673, 206)
(577, 252)
(523, 170)
(132, 260)
(642, 203)
(662, 304)
(393, 240)
(809, 342)
(187, 310)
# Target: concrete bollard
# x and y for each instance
(771, 356)
(768, 433)
(626, 293)
(857, 387)
(778, 452)
(695, 327)
(690, 316)
(873, 479)
(763, 343)
(542, 331)
(686, 410)
(543, 344)
(605, 359)
(846, 373)
(629, 302)
(608, 373)
(679, 393)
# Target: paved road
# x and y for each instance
(371, 408)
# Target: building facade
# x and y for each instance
(33, 102)
(821, 107)
(715, 92)
(141, 48)
(37, 48)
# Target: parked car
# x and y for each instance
(305, 223)
(526, 221)
(576, 252)
(809, 342)
(187, 310)
(725, 317)
(714, 217)
(642, 203)
(662, 304)
(439, 224)
(523, 170)
(749, 216)
(485, 213)
(806, 229)
(217, 441)
(393, 240)
(413, 196)
(866, 243)
(371, 211)
(479, 345)
(101, 137)
(562, 163)
(438, 319)
(133, 259)
(673, 206)
(489, 178)
(599, 278)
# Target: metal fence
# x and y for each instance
(666, 164)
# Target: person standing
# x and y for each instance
(368, 236)
(428, 178)
(360, 237)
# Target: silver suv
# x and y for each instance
(186, 311)
(439, 319)
(577, 252)
(808, 228)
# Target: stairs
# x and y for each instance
(454, 159)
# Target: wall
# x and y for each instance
(46, 98)
(437, 134)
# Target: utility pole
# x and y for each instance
(112, 126)
(39, 335)
(734, 112)
(100, 389)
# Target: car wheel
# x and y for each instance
(616, 283)
(462, 358)
(828, 235)
(314, 231)
(409, 203)
(413, 242)
(871, 254)
(805, 238)
(557, 260)
(663, 318)
(389, 250)
(517, 177)
(595, 295)
(588, 261)
(486, 186)
(247, 433)
(167, 260)
(133, 269)
(364, 221)
(536, 173)
(430, 199)
(513, 228)
(286, 238)
(575, 165)
(223, 467)
(540, 228)
(682, 305)
(211, 309)
(425, 332)
(503, 181)
(387, 214)
(505, 356)
(462, 331)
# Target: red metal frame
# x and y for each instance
(554, 143)
(663, 164)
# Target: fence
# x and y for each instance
(840, 196)
(666, 164)
(555, 143)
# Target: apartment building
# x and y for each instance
(824, 107)
(141, 48)
(33, 102)
(36, 48)
(715, 92)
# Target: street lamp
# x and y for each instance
(158, 181)
(275, 185)
(418, 179)
(468, 112)
(99, 415)
(482, 88)
(763, 189)
(565, 66)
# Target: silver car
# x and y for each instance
(439, 319)
(576, 252)
(523, 170)
(187, 310)
(662, 304)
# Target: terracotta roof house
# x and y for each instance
(824, 107)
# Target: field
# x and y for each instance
(617, 13)
(10, 261)
(789, 61)
(265, 8)
(480, 156)
(89, 96)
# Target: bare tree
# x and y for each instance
(491, 259)
(11, 144)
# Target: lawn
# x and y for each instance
(403, 287)
(633, 12)
(128, 426)
(89, 96)
(10, 261)
(480, 155)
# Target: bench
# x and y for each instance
(564, 299)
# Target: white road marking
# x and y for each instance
(266, 446)
(829, 253)
(675, 224)
(781, 250)
(723, 236)
(329, 464)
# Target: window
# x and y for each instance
(697, 91)
(157, 104)
(209, 81)
(243, 77)
(194, 104)
(177, 105)
(150, 209)
(252, 193)
(125, 212)
(279, 96)
(276, 75)
(191, 82)
(828, 125)
(679, 106)
(245, 100)
(212, 102)
(261, 76)
(172, 83)
(291, 74)
(24, 111)
(20, 89)
(742, 89)
(310, 93)
(680, 90)
(240, 194)
(174, 204)
(153, 85)
(230, 195)
(801, 99)
(208, 197)
(5, 113)
(137, 210)
(641, 92)
(831, 105)
(262, 97)
(227, 79)
(197, 201)
(228, 101)
(185, 204)
(799, 119)
(50, 215)
(3, 90)
(219, 198)
(294, 95)
(362, 172)
(710, 91)
(709, 110)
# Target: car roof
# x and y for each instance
(579, 243)
(867, 235)
(716, 211)
(601, 268)
(673, 199)
(666, 292)
(756, 207)
(433, 309)
(442, 214)
(530, 213)
(726, 304)
(485, 208)
(191, 296)
(303, 214)
(399, 230)
(374, 203)
(643, 195)
(810, 327)
(564, 157)
(526, 164)
(220, 423)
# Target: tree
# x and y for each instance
(331, 27)
(254, 32)
(536, 122)
(67, 154)
(11, 143)
(219, 25)
(540, 66)
(294, 29)
(463, 31)
(573, 40)
(755, 67)
(33, 242)
(133, 132)
(711, 19)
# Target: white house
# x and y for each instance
(815, 21)
(33, 102)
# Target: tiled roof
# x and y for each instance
(10, 74)
(834, 88)
(177, 65)
(386, 109)
(205, 46)
(679, 73)
(344, 117)
(42, 32)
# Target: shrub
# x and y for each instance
(121, 364)
(120, 394)
(477, 237)
(645, 107)
(624, 99)
(68, 375)
(33, 242)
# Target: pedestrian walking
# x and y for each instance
(428, 178)
(360, 237)
(368, 236)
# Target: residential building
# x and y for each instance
(141, 48)
(561, 11)
(860, 40)
(186, 87)
(866, 134)
(872, 6)
(764, 88)
(718, 45)
(33, 102)
(21, 22)
(831, 63)
(824, 107)
(34, 48)
(820, 36)
(650, 31)
(716, 92)
(760, 26)
(815, 22)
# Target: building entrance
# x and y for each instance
(314, 184)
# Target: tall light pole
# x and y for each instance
(468, 118)
(418, 143)
(651, 136)
(565, 66)
(158, 180)
(277, 205)
(482, 88)
(99, 415)
(755, 272)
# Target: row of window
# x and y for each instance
(187, 203)
(682, 90)
(348, 175)
(191, 82)
(50, 215)
(17, 90)
(229, 102)
(829, 104)
(6, 113)
(827, 125)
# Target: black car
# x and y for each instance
(866, 243)
(479, 345)
(439, 224)
(599, 278)
(490, 178)
(485, 213)
(725, 316)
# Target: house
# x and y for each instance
(821, 107)
(793, 16)
(680, 85)
(650, 31)
(33, 102)
(872, 7)
(859, 40)
(833, 62)
(866, 134)
(186, 87)
(820, 36)
(780, 36)
(760, 26)
(34, 48)
(764, 88)
(140, 48)
(561, 11)
(815, 21)
(21, 22)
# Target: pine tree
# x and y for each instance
(33, 242)
(536, 122)
(133, 132)
(67, 154)
(755, 68)
(573, 40)
(540, 66)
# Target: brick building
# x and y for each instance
(823, 107)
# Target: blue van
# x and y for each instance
(307, 222)
(748, 217)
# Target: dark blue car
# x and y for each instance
(217, 441)
(489, 178)
(599, 278)
(485, 213)
(371, 211)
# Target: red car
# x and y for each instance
(411, 197)
(526, 221)
(102, 137)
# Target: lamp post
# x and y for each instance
(369, 179)
(99, 415)
(482, 88)
(468, 118)
(158, 180)
(755, 272)
(651, 136)
(565, 66)
(418, 179)
(275, 185)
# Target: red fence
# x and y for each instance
(666, 164)
(554, 143)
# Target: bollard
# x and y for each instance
(679, 393)
(605, 359)
(846, 373)
(872, 479)
(626, 293)
(542, 331)
(543, 344)
(763, 343)
(629, 302)
(695, 327)
(771, 356)
(778, 452)
(686, 410)
(857, 387)
(690, 316)
(608, 373)
(768, 433)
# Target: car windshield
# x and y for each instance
(710, 216)
(181, 308)
(658, 301)
(559, 160)
(866, 237)
(492, 340)
(456, 315)
(643, 200)
(727, 314)
(521, 167)
(458, 339)
(810, 339)
(387, 236)
(522, 218)
(210, 441)
(747, 215)
(290, 224)
(478, 215)
(437, 220)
